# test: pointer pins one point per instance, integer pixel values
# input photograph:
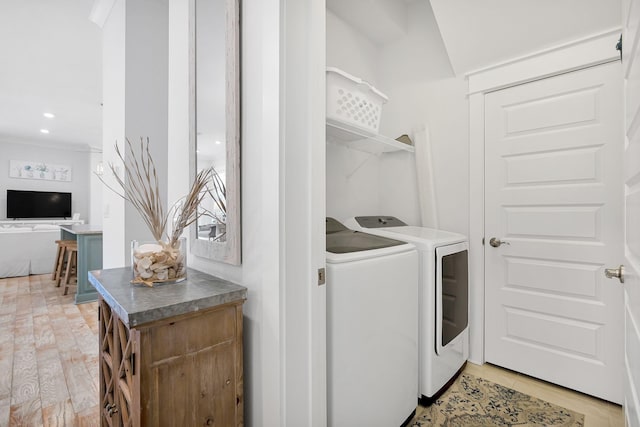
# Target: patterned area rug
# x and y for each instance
(475, 402)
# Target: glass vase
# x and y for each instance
(159, 262)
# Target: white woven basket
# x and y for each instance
(353, 101)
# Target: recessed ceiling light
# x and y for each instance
(218, 142)
(44, 130)
(49, 115)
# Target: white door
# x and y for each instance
(553, 156)
(631, 65)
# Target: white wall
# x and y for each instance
(352, 176)
(95, 190)
(259, 271)
(135, 62)
(77, 158)
(113, 129)
(350, 50)
(284, 348)
(414, 72)
(443, 106)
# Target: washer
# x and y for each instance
(372, 328)
(444, 296)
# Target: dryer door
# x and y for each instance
(452, 293)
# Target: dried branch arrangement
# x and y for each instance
(164, 261)
(218, 193)
(140, 187)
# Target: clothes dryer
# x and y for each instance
(372, 329)
(443, 294)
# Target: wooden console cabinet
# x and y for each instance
(174, 364)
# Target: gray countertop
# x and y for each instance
(139, 304)
(82, 229)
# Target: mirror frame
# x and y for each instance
(229, 251)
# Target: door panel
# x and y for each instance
(553, 151)
(631, 61)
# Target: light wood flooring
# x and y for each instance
(597, 413)
(49, 363)
(48, 355)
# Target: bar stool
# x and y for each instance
(58, 267)
(72, 266)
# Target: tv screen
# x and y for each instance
(38, 204)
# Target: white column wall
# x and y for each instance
(146, 97)
(135, 95)
(261, 194)
(95, 191)
(113, 129)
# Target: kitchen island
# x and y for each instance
(89, 238)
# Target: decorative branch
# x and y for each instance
(187, 211)
(218, 193)
(140, 186)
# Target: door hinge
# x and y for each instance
(321, 276)
(483, 241)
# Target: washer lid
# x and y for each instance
(341, 240)
(424, 238)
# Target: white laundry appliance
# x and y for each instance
(372, 329)
(444, 296)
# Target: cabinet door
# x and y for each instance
(118, 384)
(191, 374)
(127, 386)
(108, 359)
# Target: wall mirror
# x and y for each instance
(215, 125)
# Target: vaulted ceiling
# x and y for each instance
(480, 33)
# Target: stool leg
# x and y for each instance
(60, 265)
(70, 262)
(55, 264)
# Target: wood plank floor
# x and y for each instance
(49, 362)
(48, 355)
(597, 413)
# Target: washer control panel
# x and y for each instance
(379, 221)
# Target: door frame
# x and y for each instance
(586, 52)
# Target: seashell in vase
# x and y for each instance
(159, 262)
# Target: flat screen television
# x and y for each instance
(38, 204)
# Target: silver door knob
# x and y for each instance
(495, 242)
(615, 273)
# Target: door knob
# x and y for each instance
(615, 272)
(495, 242)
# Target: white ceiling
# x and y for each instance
(50, 57)
(50, 61)
(479, 33)
(381, 21)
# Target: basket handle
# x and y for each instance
(358, 81)
(373, 89)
